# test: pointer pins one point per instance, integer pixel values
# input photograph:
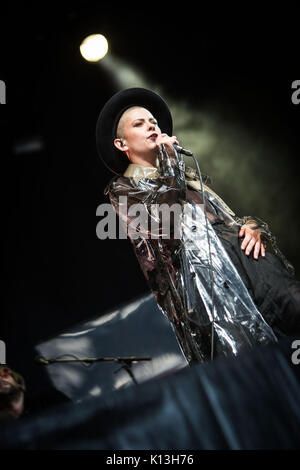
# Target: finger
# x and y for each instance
(256, 250)
(246, 241)
(165, 137)
(263, 250)
(242, 231)
(169, 142)
(250, 246)
(172, 140)
(166, 140)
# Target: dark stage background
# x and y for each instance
(227, 73)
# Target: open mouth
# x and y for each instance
(153, 137)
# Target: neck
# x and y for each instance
(148, 161)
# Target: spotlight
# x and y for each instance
(94, 47)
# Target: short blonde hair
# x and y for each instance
(121, 123)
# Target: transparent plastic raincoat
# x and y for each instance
(184, 261)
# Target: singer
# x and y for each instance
(224, 285)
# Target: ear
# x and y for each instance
(120, 145)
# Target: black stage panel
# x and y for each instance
(245, 402)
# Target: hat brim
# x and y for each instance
(114, 159)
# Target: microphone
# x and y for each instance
(42, 360)
(178, 149)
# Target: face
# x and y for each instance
(138, 130)
(15, 401)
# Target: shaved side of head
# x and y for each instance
(121, 123)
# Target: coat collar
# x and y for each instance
(137, 172)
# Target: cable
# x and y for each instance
(209, 251)
(210, 260)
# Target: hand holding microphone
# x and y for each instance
(168, 142)
(172, 143)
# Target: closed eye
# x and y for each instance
(141, 121)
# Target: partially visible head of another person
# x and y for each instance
(12, 388)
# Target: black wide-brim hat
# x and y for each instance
(109, 117)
